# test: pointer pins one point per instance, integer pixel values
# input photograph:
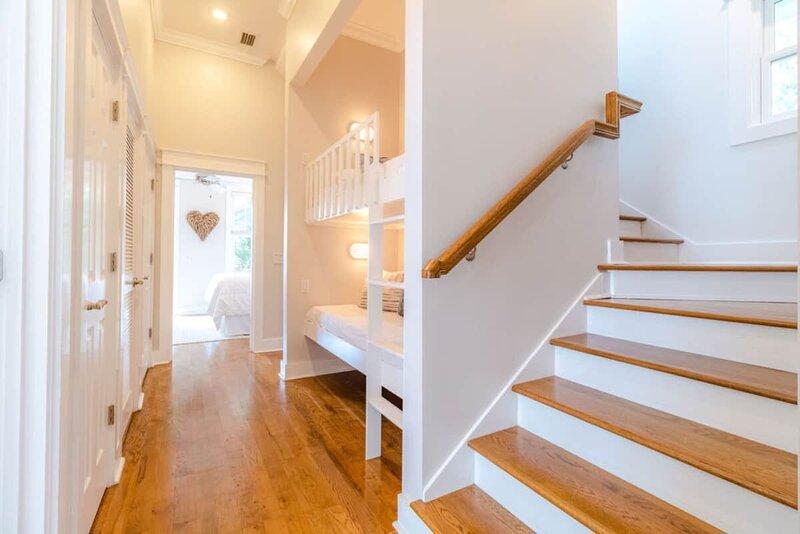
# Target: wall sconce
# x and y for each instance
(363, 135)
(359, 251)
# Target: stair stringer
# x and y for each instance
(458, 470)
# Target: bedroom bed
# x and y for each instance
(351, 183)
(228, 297)
(342, 330)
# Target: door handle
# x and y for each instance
(98, 305)
(136, 282)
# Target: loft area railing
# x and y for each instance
(465, 247)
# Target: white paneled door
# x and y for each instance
(96, 378)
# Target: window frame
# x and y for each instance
(750, 59)
(769, 56)
(230, 261)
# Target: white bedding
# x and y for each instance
(228, 297)
(349, 323)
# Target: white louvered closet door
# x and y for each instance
(127, 264)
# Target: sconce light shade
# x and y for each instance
(359, 251)
(364, 134)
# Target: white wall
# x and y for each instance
(208, 104)
(677, 164)
(354, 80)
(196, 261)
(137, 17)
(487, 98)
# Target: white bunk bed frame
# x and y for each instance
(346, 178)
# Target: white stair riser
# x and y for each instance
(767, 346)
(528, 506)
(650, 252)
(757, 418)
(755, 287)
(630, 228)
(712, 499)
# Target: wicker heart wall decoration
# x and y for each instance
(202, 224)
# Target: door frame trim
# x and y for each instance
(169, 161)
(34, 179)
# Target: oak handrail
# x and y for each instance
(617, 108)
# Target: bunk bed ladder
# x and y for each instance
(378, 351)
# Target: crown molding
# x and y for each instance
(199, 43)
(371, 36)
(286, 7)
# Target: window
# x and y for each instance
(779, 60)
(240, 249)
(763, 68)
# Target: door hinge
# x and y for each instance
(150, 333)
(115, 111)
(152, 184)
(111, 415)
(151, 258)
(113, 263)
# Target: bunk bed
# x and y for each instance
(347, 180)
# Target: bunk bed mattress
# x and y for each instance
(349, 323)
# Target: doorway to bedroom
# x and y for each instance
(213, 257)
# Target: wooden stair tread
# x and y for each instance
(698, 267)
(599, 500)
(636, 218)
(657, 240)
(468, 510)
(757, 467)
(762, 381)
(778, 314)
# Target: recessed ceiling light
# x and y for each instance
(219, 14)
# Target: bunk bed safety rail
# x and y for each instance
(337, 181)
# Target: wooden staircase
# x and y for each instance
(675, 411)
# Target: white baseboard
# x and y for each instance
(274, 344)
(118, 470)
(309, 368)
(161, 357)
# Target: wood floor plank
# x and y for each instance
(759, 468)
(222, 445)
(597, 499)
(467, 511)
(762, 381)
(699, 267)
(777, 314)
(662, 241)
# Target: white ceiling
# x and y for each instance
(189, 23)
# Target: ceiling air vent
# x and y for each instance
(248, 39)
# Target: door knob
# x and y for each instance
(98, 305)
(136, 282)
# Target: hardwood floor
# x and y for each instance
(222, 445)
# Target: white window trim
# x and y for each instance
(747, 78)
(229, 260)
